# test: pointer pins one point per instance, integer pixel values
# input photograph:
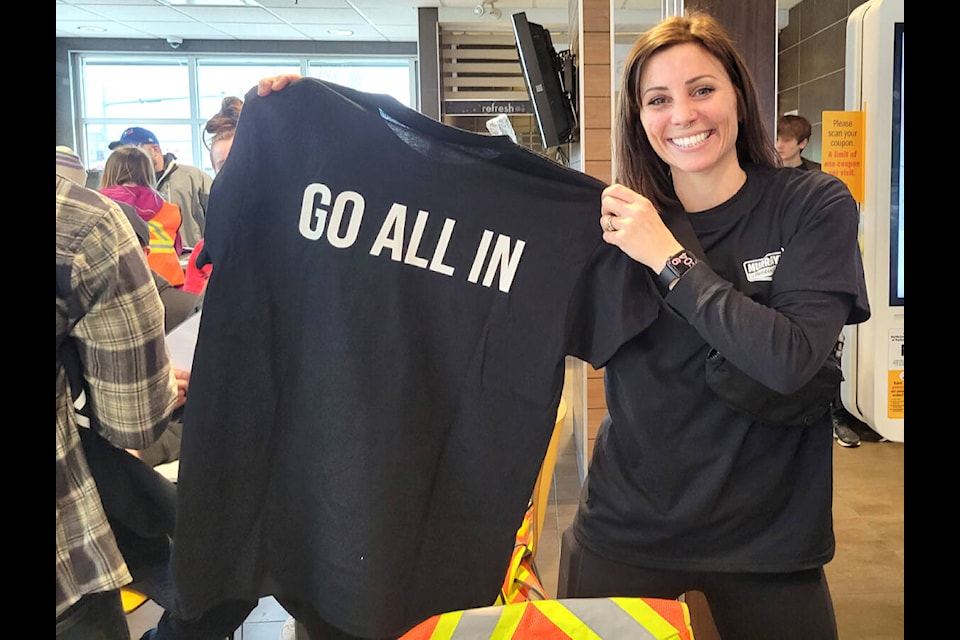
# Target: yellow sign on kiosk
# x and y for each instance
(842, 148)
(895, 375)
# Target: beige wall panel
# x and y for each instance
(596, 48)
(597, 145)
(594, 417)
(596, 113)
(595, 397)
(596, 15)
(596, 80)
(601, 170)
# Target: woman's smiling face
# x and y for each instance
(689, 110)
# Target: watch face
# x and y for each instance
(676, 266)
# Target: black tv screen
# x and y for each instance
(543, 71)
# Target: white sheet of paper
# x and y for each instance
(169, 470)
(183, 340)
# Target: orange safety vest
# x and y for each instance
(567, 619)
(522, 582)
(163, 256)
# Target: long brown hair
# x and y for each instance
(638, 165)
(126, 165)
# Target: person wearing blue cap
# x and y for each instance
(185, 186)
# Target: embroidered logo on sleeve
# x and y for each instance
(761, 269)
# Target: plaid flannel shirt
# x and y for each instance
(115, 317)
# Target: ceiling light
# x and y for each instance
(340, 32)
(94, 29)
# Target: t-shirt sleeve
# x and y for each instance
(822, 254)
(614, 300)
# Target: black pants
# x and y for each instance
(745, 606)
(215, 624)
(317, 628)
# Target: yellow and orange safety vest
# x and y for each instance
(163, 256)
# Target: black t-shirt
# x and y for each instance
(680, 481)
(381, 357)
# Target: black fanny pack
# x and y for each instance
(800, 408)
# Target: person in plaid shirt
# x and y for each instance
(108, 304)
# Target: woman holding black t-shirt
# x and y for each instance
(684, 492)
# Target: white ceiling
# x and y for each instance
(368, 20)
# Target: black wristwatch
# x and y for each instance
(677, 265)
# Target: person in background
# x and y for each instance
(70, 166)
(218, 138)
(793, 135)
(685, 493)
(185, 186)
(220, 130)
(108, 306)
(178, 305)
(110, 295)
(128, 177)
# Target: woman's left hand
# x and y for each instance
(631, 222)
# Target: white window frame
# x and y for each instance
(196, 120)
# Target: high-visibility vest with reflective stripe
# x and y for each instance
(521, 582)
(566, 619)
(163, 256)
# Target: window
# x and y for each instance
(374, 76)
(222, 77)
(174, 95)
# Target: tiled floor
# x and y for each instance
(866, 576)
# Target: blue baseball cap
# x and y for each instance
(134, 136)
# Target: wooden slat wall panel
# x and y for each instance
(480, 67)
(595, 100)
(473, 39)
(456, 66)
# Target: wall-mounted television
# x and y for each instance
(551, 81)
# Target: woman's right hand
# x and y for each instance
(631, 222)
(266, 86)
